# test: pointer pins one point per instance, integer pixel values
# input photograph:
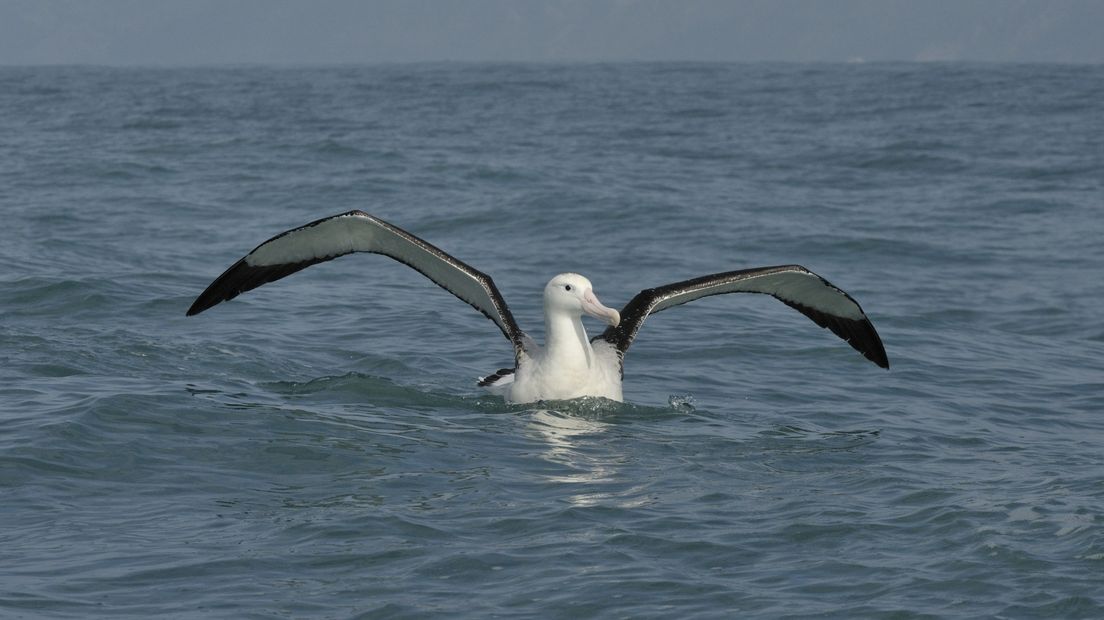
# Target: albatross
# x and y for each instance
(569, 364)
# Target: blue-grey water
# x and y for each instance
(318, 448)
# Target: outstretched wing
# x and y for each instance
(793, 285)
(357, 231)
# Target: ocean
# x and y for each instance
(318, 448)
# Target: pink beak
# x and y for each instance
(594, 308)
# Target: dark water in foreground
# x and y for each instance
(318, 447)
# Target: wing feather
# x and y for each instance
(357, 231)
(827, 305)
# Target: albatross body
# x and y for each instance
(569, 364)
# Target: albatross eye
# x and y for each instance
(567, 287)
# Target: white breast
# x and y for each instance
(541, 378)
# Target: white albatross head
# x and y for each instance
(572, 294)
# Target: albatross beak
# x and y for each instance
(594, 308)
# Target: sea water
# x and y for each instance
(319, 448)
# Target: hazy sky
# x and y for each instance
(173, 32)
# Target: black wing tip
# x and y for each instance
(862, 337)
(242, 277)
(495, 377)
(878, 356)
(207, 300)
(227, 286)
(213, 296)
